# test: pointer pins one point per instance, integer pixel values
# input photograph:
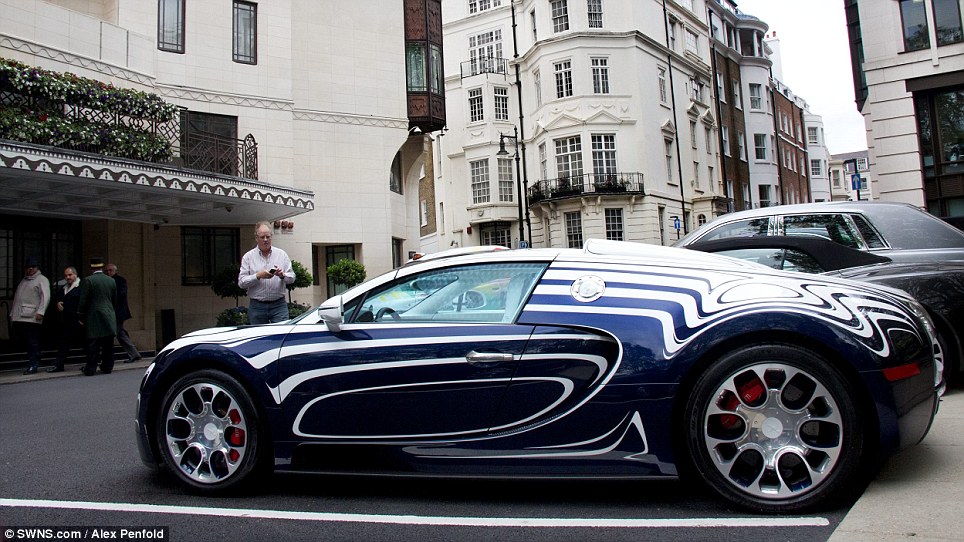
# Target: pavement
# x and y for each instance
(917, 495)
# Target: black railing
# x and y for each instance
(114, 134)
(486, 64)
(586, 184)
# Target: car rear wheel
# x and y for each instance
(775, 428)
(208, 432)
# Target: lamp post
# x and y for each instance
(518, 177)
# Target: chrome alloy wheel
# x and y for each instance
(205, 432)
(773, 431)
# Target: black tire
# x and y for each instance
(209, 434)
(776, 428)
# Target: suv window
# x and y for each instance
(741, 228)
(835, 227)
(871, 237)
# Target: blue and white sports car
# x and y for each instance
(620, 360)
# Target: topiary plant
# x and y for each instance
(303, 279)
(346, 272)
(225, 284)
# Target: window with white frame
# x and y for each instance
(501, 96)
(835, 175)
(708, 132)
(535, 27)
(693, 133)
(543, 161)
(423, 212)
(568, 156)
(815, 168)
(813, 137)
(668, 150)
(573, 229)
(760, 146)
(673, 24)
(736, 94)
(479, 172)
(661, 84)
(614, 224)
(696, 89)
(799, 133)
(756, 96)
(476, 6)
(739, 141)
(765, 195)
(861, 164)
(692, 42)
(485, 50)
(603, 154)
(537, 82)
(720, 91)
(709, 174)
(496, 234)
(560, 15)
(476, 112)
(506, 180)
(600, 75)
(726, 140)
(595, 10)
(696, 175)
(563, 72)
(803, 166)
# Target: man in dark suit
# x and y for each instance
(98, 294)
(123, 312)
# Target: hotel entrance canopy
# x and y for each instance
(46, 181)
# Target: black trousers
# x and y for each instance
(103, 348)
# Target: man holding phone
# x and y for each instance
(265, 271)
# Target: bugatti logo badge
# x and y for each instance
(588, 288)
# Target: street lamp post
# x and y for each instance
(518, 177)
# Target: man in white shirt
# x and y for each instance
(265, 271)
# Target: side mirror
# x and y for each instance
(332, 312)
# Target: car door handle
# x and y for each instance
(487, 358)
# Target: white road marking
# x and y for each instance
(422, 520)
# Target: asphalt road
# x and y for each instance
(68, 458)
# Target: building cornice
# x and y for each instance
(73, 59)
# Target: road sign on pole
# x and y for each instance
(855, 181)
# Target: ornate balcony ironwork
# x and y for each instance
(188, 148)
(587, 184)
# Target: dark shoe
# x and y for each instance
(55, 369)
(107, 372)
(88, 372)
(30, 371)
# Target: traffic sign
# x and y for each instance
(855, 181)
(676, 223)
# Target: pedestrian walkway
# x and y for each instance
(917, 496)
(919, 493)
(70, 370)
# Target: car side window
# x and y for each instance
(834, 227)
(470, 293)
(740, 228)
(871, 237)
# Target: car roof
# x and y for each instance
(902, 225)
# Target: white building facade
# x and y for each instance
(319, 84)
(611, 104)
(908, 61)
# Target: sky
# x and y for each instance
(816, 63)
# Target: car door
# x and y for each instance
(426, 356)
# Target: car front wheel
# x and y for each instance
(208, 432)
(775, 428)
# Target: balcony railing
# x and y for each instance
(114, 134)
(484, 64)
(585, 185)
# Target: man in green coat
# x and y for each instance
(98, 293)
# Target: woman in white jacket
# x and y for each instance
(28, 308)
